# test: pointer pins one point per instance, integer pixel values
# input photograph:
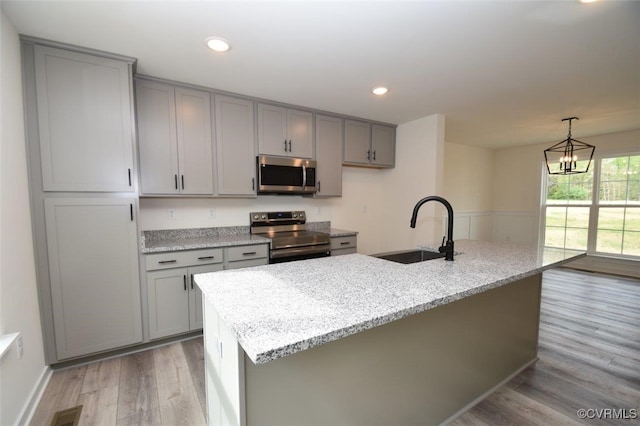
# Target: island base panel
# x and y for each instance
(422, 369)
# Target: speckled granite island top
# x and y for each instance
(278, 310)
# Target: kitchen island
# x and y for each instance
(360, 340)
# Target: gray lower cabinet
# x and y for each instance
(344, 245)
(329, 142)
(84, 121)
(367, 144)
(174, 139)
(235, 146)
(174, 300)
(93, 268)
(246, 256)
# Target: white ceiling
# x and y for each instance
(503, 72)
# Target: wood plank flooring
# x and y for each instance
(589, 350)
(589, 358)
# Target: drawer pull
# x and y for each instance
(345, 243)
(162, 262)
(206, 257)
(249, 253)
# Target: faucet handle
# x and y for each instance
(442, 248)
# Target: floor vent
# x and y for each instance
(68, 417)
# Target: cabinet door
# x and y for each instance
(157, 138)
(383, 145)
(357, 138)
(195, 294)
(235, 146)
(272, 130)
(93, 266)
(329, 136)
(85, 121)
(195, 146)
(168, 299)
(299, 133)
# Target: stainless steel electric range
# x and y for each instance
(290, 239)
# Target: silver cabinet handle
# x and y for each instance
(191, 281)
(285, 145)
(206, 257)
(184, 279)
(345, 243)
(369, 155)
(249, 253)
(162, 262)
(289, 145)
(374, 155)
(175, 180)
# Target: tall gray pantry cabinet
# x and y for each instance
(80, 139)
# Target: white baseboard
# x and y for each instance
(34, 398)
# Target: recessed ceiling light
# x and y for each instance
(380, 90)
(218, 44)
(587, 1)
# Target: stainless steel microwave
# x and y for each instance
(282, 175)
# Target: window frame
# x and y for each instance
(594, 206)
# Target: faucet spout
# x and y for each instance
(447, 247)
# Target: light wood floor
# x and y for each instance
(589, 358)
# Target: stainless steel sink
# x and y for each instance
(409, 256)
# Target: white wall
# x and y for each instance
(517, 183)
(468, 185)
(19, 378)
(418, 173)
(376, 203)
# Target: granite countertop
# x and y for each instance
(167, 240)
(278, 310)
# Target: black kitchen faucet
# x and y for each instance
(444, 248)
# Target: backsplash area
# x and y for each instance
(220, 212)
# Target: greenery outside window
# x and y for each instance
(598, 211)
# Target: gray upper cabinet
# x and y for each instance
(368, 144)
(357, 142)
(235, 146)
(84, 121)
(174, 139)
(329, 141)
(383, 145)
(93, 267)
(285, 132)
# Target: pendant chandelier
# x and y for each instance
(569, 156)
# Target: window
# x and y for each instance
(598, 211)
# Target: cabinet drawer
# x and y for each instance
(340, 252)
(247, 263)
(179, 259)
(256, 251)
(344, 242)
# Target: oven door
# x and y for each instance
(278, 175)
(299, 253)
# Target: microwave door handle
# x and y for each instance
(304, 177)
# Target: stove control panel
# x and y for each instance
(275, 218)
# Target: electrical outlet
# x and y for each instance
(19, 346)
(212, 213)
(172, 214)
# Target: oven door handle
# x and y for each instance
(276, 254)
(289, 246)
